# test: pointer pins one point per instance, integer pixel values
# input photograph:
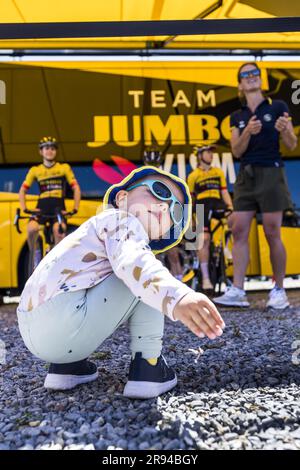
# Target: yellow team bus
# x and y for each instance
(14, 254)
(104, 116)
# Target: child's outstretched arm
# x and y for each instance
(133, 261)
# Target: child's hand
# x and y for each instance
(200, 315)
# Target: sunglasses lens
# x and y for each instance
(250, 73)
(49, 147)
(177, 212)
(161, 190)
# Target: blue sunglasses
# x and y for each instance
(162, 192)
(250, 73)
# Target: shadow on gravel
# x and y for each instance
(258, 349)
(243, 391)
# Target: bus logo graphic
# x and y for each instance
(2, 92)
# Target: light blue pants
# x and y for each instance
(72, 325)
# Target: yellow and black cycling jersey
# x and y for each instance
(207, 183)
(51, 180)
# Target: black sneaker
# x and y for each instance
(147, 381)
(67, 376)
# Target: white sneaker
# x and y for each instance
(67, 376)
(278, 299)
(206, 284)
(233, 297)
(147, 381)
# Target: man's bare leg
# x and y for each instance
(272, 225)
(58, 236)
(240, 250)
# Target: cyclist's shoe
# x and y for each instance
(207, 285)
(67, 376)
(278, 299)
(233, 297)
(149, 381)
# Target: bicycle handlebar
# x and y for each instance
(220, 212)
(59, 216)
(49, 216)
(292, 213)
(16, 220)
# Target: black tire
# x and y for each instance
(213, 272)
(213, 266)
(71, 228)
(223, 276)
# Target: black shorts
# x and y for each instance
(211, 204)
(49, 206)
(261, 189)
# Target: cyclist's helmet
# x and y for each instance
(48, 141)
(152, 157)
(198, 150)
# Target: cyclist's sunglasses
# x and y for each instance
(162, 192)
(249, 73)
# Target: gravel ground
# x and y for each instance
(241, 393)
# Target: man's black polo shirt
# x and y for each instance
(263, 148)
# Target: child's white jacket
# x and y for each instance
(112, 242)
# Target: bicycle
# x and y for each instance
(42, 245)
(220, 255)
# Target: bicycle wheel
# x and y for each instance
(216, 260)
(223, 274)
(213, 271)
(222, 277)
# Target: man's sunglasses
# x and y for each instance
(249, 73)
(162, 192)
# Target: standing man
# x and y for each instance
(261, 183)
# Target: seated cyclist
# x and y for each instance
(51, 177)
(207, 185)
